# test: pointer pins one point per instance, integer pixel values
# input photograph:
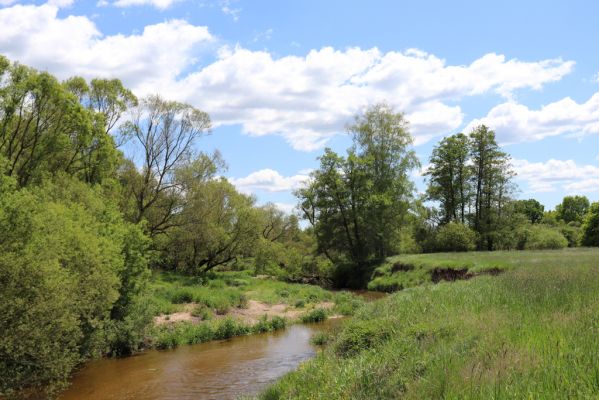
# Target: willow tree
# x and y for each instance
(164, 133)
(357, 203)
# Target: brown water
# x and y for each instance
(215, 370)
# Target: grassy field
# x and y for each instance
(213, 308)
(531, 332)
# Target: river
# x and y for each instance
(215, 370)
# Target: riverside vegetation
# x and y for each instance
(529, 332)
(117, 233)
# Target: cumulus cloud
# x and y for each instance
(36, 35)
(306, 99)
(309, 99)
(554, 174)
(269, 180)
(160, 4)
(516, 123)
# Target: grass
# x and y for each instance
(224, 291)
(529, 333)
(171, 336)
(402, 272)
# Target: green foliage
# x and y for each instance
(531, 208)
(320, 338)
(219, 224)
(544, 238)
(357, 203)
(527, 333)
(590, 227)
(472, 173)
(454, 237)
(73, 276)
(315, 315)
(46, 130)
(572, 209)
(169, 336)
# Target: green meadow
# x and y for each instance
(529, 332)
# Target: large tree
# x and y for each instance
(164, 132)
(45, 130)
(448, 177)
(357, 203)
(573, 209)
(470, 178)
(491, 181)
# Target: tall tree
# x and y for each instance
(165, 132)
(491, 183)
(357, 203)
(449, 177)
(44, 130)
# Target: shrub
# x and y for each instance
(316, 315)
(320, 339)
(590, 227)
(544, 238)
(454, 237)
(359, 336)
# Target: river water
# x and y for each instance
(216, 370)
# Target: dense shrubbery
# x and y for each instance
(454, 237)
(72, 272)
(590, 227)
(544, 238)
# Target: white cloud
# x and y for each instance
(160, 4)
(226, 6)
(306, 99)
(268, 180)
(309, 99)
(553, 174)
(287, 208)
(516, 123)
(73, 45)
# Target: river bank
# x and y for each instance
(189, 311)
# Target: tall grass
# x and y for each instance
(530, 333)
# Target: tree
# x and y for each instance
(491, 182)
(166, 132)
(531, 208)
(357, 203)
(220, 225)
(573, 209)
(449, 177)
(44, 130)
(590, 227)
(67, 261)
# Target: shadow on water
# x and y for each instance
(215, 370)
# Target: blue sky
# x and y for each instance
(280, 79)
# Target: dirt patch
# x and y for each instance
(398, 266)
(250, 315)
(450, 274)
(256, 309)
(182, 316)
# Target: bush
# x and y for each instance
(316, 315)
(590, 227)
(544, 238)
(454, 237)
(72, 275)
(320, 339)
(359, 336)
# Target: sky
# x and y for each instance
(282, 79)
